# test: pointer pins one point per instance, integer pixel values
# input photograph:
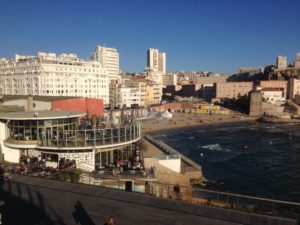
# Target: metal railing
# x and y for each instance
(139, 182)
(245, 203)
(83, 138)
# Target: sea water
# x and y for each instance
(247, 158)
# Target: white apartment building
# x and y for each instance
(109, 59)
(169, 79)
(141, 84)
(150, 92)
(156, 60)
(281, 62)
(128, 96)
(155, 76)
(49, 75)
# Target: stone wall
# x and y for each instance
(165, 175)
(258, 107)
(80, 157)
(270, 109)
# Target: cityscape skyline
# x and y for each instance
(208, 36)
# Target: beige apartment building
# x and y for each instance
(283, 84)
(150, 91)
(169, 79)
(233, 90)
(141, 84)
(297, 61)
(155, 76)
(172, 89)
(293, 87)
(191, 90)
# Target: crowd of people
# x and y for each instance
(134, 165)
(36, 165)
(66, 164)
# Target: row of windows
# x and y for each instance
(22, 69)
(26, 68)
(79, 70)
(71, 86)
(75, 80)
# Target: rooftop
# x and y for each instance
(42, 201)
(36, 98)
(272, 89)
(40, 115)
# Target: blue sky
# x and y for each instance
(211, 35)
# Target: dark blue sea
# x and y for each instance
(248, 158)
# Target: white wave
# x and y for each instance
(253, 128)
(201, 131)
(215, 147)
(270, 127)
(191, 138)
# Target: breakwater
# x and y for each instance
(168, 150)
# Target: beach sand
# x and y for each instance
(183, 120)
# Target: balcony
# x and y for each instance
(20, 143)
(77, 139)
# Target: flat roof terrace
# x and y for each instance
(41, 115)
(41, 201)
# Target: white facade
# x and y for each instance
(171, 163)
(169, 79)
(281, 62)
(156, 60)
(10, 154)
(293, 87)
(297, 62)
(49, 75)
(275, 97)
(155, 76)
(109, 59)
(128, 96)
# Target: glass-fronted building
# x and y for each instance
(64, 134)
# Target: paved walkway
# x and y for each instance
(30, 200)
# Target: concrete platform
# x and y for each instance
(30, 200)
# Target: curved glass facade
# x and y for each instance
(69, 133)
(28, 130)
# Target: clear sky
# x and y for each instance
(211, 35)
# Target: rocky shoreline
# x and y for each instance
(277, 120)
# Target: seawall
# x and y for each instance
(156, 151)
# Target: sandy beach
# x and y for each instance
(183, 120)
